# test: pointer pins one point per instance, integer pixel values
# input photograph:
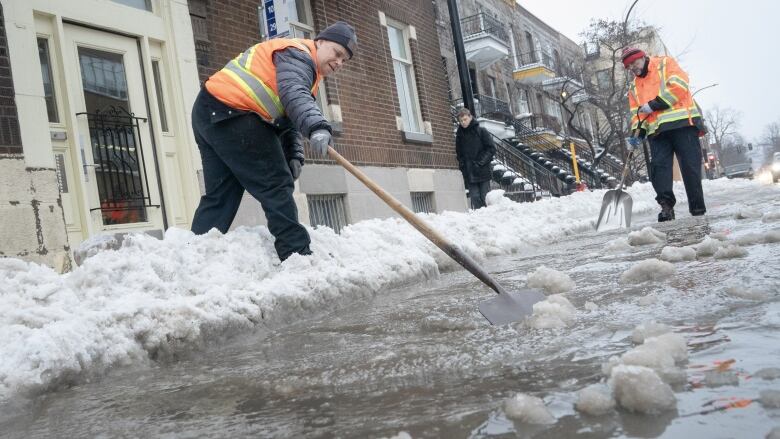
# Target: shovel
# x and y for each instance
(506, 307)
(616, 205)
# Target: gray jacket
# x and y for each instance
(295, 75)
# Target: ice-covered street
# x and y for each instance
(669, 331)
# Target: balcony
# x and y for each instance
(535, 67)
(485, 40)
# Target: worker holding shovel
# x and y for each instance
(248, 121)
(660, 96)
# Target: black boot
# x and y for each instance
(666, 214)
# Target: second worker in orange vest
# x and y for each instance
(671, 121)
(248, 120)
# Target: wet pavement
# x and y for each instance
(422, 360)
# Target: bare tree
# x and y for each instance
(771, 141)
(722, 123)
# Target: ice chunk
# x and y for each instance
(707, 247)
(771, 217)
(747, 292)
(768, 373)
(555, 312)
(619, 245)
(648, 235)
(528, 409)
(649, 329)
(640, 389)
(677, 254)
(496, 197)
(719, 236)
(730, 251)
(612, 362)
(717, 378)
(553, 281)
(750, 239)
(95, 245)
(595, 400)
(747, 213)
(590, 306)
(770, 398)
(648, 270)
(670, 344)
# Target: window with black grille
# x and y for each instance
(422, 202)
(327, 210)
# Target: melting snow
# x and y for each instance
(552, 281)
(648, 270)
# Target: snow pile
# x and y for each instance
(496, 198)
(639, 389)
(660, 354)
(528, 409)
(678, 254)
(648, 235)
(730, 251)
(707, 247)
(595, 400)
(619, 245)
(747, 292)
(554, 312)
(153, 298)
(649, 329)
(552, 281)
(771, 217)
(747, 213)
(647, 270)
(94, 245)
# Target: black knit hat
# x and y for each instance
(341, 33)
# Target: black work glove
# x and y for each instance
(295, 168)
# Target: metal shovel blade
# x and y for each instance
(615, 210)
(510, 307)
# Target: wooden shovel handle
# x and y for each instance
(435, 237)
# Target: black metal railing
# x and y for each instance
(537, 57)
(123, 186)
(482, 24)
(488, 106)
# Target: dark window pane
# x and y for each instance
(145, 5)
(48, 81)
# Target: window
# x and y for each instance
(327, 210)
(492, 85)
(158, 87)
(531, 49)
(473, 80)
(48, 80)
(604, 79)
(422, 202)
(404, 77)
(145, 5)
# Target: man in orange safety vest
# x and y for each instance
(671, 121)
(248, 121)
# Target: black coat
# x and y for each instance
(475, 149)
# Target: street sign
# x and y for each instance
(276, 18)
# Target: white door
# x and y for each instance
(117, 158)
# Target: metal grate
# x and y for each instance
(327, 210)
(422, 202)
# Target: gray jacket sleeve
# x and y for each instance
(295, 75)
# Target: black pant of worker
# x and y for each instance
(241, 152)
(477, 193)
(684, 143)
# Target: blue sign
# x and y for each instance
(270, 18)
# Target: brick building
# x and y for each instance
(389, 105)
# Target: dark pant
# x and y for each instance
(683, 142)
(241, 152)
(477, 193)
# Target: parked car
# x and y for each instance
(775, 167)
(740, 170)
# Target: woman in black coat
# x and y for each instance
(475, 149)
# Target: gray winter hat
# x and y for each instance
(342, 33)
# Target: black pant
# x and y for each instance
(240, 151)
(477, 193)
(683, 142)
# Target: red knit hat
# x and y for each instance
(631, 54)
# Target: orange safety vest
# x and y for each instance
(248, 82)
(666, 80)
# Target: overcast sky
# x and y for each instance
(732, 43)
